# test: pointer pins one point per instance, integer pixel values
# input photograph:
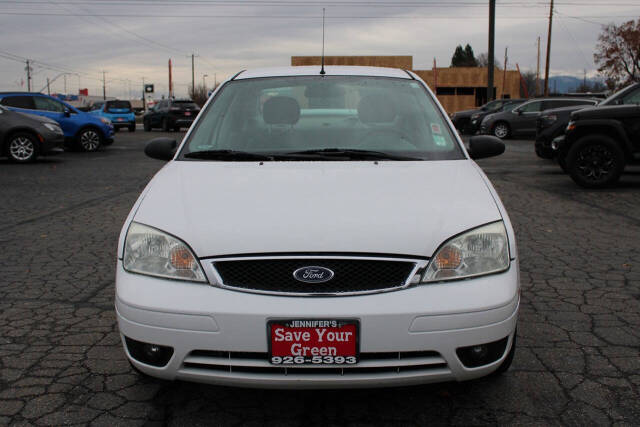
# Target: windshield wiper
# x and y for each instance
(354, 153)
(228, 155)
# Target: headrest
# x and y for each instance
(281, 110)
(376, 109)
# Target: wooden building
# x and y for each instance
(457, 88)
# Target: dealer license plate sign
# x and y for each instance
(313, 342)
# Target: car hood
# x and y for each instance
(466, 113)
(407, 208)
(606, 112)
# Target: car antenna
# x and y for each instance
(322, 59)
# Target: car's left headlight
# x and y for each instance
(156, 253)
(105, 120)
(483, 250)
(53, 128)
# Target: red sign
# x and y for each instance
(313, 342)
(84, 92)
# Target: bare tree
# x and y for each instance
(618, 53)
(529, 78)
(199, 95)
(483, 60)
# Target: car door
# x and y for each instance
(524, 120)
(632, 124)
(55, 110)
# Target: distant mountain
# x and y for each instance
(564, 84)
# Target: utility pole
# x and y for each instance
(492, 37)
(28, 77)
(65, 83)
(538, 70)
(584, 81)
(144, 102)
(504, 71)
(104, 87)
(204, 81)
(48, 88)
(215, 80)
(546, 67)
(193, 75)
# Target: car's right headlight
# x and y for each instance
(155, 253)
(483, 250)
(53, 128)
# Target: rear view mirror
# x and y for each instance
(483, 146)
(161, 148)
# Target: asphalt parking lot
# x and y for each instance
(61, 362)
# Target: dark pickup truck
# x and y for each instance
(599, 142)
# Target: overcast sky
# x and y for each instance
(131, 39)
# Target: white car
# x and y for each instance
(319, 231)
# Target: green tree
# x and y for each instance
(463, 57)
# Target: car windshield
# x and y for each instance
(118, 105)
(336, 117)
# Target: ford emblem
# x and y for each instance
(313, 274)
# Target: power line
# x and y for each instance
(413, 17)
(346, 3)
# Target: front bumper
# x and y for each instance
(219, 336)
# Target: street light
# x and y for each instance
(204, 83)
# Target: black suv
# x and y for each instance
(600, 141)
(550, 124)
(170, 114)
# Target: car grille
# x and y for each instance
(351, 275)
(370, 363)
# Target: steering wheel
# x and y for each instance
(397, 132)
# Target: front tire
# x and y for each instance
(595, 161)
(501, 130)
(89, 140)
(132, 128)
(22, 148)
(165, 125)
(146, 125)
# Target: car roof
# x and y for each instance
(330, 70)
(23, 93)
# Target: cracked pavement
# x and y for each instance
(61, 360)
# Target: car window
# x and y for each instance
(48, 104)
(118, 105)
(632, 97)
(25, 102)
(531, 107)
(184, 105)
(289, 114)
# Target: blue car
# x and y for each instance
(83, 130)
(119, 112)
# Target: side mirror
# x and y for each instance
(483, 146)
(518, 112)
(161, 148)
(67, 113)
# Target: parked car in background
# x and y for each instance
(599, 142)
(170, 114)
(462, 119)
(521, 121)
(82, 130)
(24, 137)
(476, 118)
(119, 112)
(302, 270)
(551, 124)
(550, 130)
